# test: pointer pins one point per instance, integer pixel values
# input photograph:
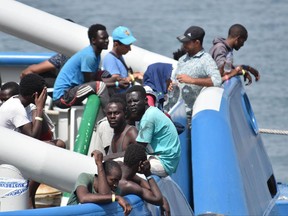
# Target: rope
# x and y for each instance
(271, 131)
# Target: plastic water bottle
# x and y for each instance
(172, 96)
(174, 83)
(229, 62)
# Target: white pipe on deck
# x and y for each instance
(43, 162)
(60, 35)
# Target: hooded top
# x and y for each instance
(156, 76)
(219, 51)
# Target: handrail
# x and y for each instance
(21, 58)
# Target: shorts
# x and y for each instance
(75, 95)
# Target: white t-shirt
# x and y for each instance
(31, 107)
(13, 114)
(102, 137)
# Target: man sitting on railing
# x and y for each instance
(81, 77)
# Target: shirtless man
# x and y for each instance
(124, 134)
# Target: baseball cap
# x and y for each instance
(124, 35)
(192, 33)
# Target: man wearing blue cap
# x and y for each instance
(114, 61)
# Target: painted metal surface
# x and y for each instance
(231, 169)
(89, 209)
(20, 58)
(83, 138)
(183, 175)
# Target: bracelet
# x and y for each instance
(113, 199)
(149, 177)
(226, 77)
(245, 67)
(38, 118)
(243, 72)
(131, 77)
(116, 84)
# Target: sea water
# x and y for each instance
(156, 24)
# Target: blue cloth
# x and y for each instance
(71, 74)
(114, 66)
(156, 129)
(156, 77)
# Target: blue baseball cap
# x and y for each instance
(124, 35)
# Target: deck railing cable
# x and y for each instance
(272, 131)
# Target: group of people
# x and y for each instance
(140, 136)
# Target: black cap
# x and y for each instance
(192, 33)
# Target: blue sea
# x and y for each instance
(156, 24)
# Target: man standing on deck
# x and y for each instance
(196, 69)
(222, 49)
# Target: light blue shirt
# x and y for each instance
(156, 129)
(114, 66)
(200, 65)
(71, 73)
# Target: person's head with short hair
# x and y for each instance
(98, 36)
(134, 155)
(31, 84)
(113, 173)
(238, 34)
(8, 90)
(116, 111)
(136, 102)
(192, 40)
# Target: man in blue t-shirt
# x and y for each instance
(156, 132)
(81, 77)
(114, 61)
